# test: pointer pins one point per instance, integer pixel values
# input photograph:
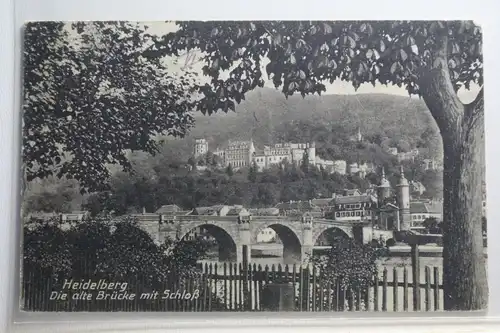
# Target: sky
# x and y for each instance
(338, 87)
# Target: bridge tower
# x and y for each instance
(383, 190)
(403, 199)
(383, 193)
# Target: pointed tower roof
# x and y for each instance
(383, 181)
(402, 180)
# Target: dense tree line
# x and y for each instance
(190, 187)
(247, 187)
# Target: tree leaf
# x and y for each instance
(352, 42)
(332, 64)
(293, 61)
(328, 28)
(414, 49)
(369, 54)
(382, 46)
(215, 64)
(394, 67)
(452, 63)
(354, 36)
(360, 69)
(300, 43)
(403, 55)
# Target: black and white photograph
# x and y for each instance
(253, 166)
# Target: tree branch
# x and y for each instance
(475, 108)
(438, 91)
(473, 115)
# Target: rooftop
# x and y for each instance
(296, 205)
(354, 199)
(352, 192)
(168, 209)
(264, 211)
(236, 211)
(426, 207)
(323, 202)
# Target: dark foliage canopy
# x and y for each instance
(90, 96)
(303, 55)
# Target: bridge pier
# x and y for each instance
(307, 238)
(307, 252)
(362, 234)
(245, 239)
(239, 254)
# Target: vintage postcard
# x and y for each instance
(253, 166)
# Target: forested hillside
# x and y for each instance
(267, 117)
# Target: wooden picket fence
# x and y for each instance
(237, 287)
(391, 290)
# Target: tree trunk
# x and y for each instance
(462, 130)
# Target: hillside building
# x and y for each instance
(295, 208)
(239, 154)
(417, 188)
(354, 207)
(421, 210)
(431, 164)
(336, 166)
(408, 156)
(285, 152)
(392, 151)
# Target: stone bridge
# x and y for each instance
(297, 234)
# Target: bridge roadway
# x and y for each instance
(298, 234)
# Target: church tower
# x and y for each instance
(359, 136)
(403, 198)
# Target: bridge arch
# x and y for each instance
(226, 239)
(290, 238)
(326, 235)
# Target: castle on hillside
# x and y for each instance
(281, 152)
(241, 153)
